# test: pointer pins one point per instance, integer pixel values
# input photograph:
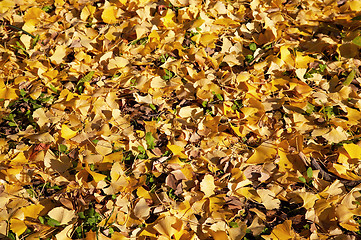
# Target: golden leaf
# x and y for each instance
(108, 15)
(67, 133)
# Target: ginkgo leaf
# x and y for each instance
(62, 215)
(353, 150)
(141, 209)
(96, 176)
(59, 54)
(282, 231)
(104, 147)
(268, 199)
(309, 199)
(17, 226)
(177, 151)
(109, 16)
(168, 19)
(67, 133)
(113, 157)
(263, 153)
(20, 158)
(8, 93)
(32, 210)
(207, 185)
(164, 226)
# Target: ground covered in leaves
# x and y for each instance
(180, 119)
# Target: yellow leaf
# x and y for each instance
(343, 214)
(20, 158)
(164, 226)
(33, 210)
(59, 3)
(17, 226)
(286, 55)
(336, 135)
(303, 61)
(249, 193)
(207, 185)
(6, 5)
(353, 150)
(353, 227)
(154, 36)
(344, 172)
(284, 162)
(67, 133)
(108, 15)
(309, 199)
(62, 215)
(238, 130)
(114, 157)
(177, 151)
(8, 93)
(119, 236)
(141, 192)
(353, 116)
(168, 19)
(262, 153)
(249, 111)
(225, 22)
(208, 40)
(282, 231)
(87, 11)
(355, 5)
(96, 176)
(59, 54)
(104, 147)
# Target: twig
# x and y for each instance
(19, 29)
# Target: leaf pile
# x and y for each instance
(140, 119)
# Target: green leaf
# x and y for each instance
(20, 46)
(86, 78)
(322, 67)
(233, 225)
(356, 18)
(91, 167)
(350, 77)
(63, 148)
(35, 40)
(81, 215)
(53, 223)
(249, 58)
(11, 235)
(41, 219)
(219, 96)
(153, 107)
(253, 47)
(141, 149)
(22, 92)
(12, 124)
(47, 8)
(357, 41)
(310, 108)
(53, 88)
(302, 179)
(150, 140)
(309, 172)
